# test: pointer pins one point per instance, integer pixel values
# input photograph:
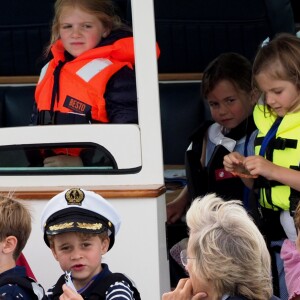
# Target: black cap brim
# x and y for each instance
(75, 219)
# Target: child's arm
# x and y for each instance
(176, 208)
(121, 97)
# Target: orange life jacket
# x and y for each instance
(82, 81)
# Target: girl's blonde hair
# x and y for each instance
(280, 58)
(104, 10)
(229, 250)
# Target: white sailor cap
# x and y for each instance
(78, 210)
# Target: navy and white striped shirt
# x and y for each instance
(118, 290)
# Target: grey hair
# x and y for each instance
(230, 251)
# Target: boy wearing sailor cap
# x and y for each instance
(80, 226)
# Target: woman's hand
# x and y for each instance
(184, 291)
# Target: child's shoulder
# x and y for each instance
(15, 287)
(117, 284)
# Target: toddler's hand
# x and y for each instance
(63, 161)
(69, 294)
(232, 161)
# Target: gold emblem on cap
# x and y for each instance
(90, 226)
(61, 226)
(74, 196)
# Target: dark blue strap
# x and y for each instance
(246, 145)
(271, 133)
(246, 191)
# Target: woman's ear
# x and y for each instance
(10, 244)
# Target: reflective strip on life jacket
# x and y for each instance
(91, 69)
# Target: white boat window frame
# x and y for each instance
(148, 110)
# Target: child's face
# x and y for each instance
(80, 255)
(80, 31)
(281, 96)
(229, 106)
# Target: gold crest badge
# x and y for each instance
(74, 196)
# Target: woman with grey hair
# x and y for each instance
(226, 256)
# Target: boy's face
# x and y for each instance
(79, 254)
(229, 106)
(80, 31)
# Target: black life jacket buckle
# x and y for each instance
(280, 143)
